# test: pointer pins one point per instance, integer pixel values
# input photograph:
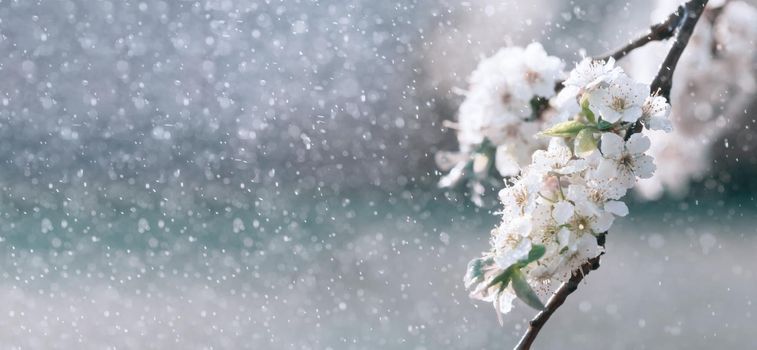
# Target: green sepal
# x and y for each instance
(604, 125)
(585, 142)
(524, 292)
(503, 278)
(586, 110)
(474, 272)
(568, 128)
(536, 252)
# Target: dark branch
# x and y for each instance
(681, 25)
(663, 82)
(658, 32)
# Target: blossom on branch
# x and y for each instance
(501, 114)
(570, 193)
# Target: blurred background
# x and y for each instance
(260, 174)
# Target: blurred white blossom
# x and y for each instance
(497, 121)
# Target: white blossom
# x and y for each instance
(579, 250)
(566, 103)
(590, 73)
(655, 113)
(497, 109)
(520, 198)
(736, 29)
(538, 73)
(624, 161)
(516, 146)
(557, 158)
(563, 201)
(622, 100)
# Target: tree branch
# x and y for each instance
(691, 11)
(658, 32)
(681, 25)
(558, 298)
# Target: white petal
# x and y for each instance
(611, 190)
(599, 101)
(660, 123)
(618, 208)
(562, 212)
(577, 193)
(566, 99)
(534, 51)
(625, 178)
(656, 107)
(453, 177)
(540, 159)
(609, 64)
(505, 301)
(505, 162)
(638, 144)
(558, 151)
(612, 145)
(587, 208)
(638, 93)
(644, 166)
(520, 225)
(507, 195)
(602, 222)
(632, 114)
(608, 114)
(589, 247)
(563, 237)
(606, 169)
(573, 166)
(510, 257)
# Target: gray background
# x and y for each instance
(134, 135)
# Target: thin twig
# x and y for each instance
(658, 32)
(681, 25)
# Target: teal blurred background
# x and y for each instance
(248, 174)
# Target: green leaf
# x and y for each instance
(486, 147)
(524, 292)
(585, 142)
(585, 109)
(565, 129)
(503, 278)
(536, 252)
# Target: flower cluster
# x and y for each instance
(499, 119)
(569, 195)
